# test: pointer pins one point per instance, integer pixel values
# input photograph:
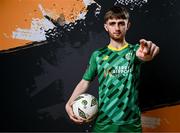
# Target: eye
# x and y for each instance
(112, 23)
(121, 23)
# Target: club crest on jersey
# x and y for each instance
(128, 56)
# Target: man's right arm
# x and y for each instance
(80, 88)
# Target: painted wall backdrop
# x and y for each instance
(45, 47)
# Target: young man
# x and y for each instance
(118, 68)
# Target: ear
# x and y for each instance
(128, 25)
(105, 27)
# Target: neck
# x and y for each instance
(117, 43)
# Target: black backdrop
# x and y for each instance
(36, 82)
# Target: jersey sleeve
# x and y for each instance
(91, 70)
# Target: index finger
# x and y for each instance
(143, 43)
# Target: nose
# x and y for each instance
(116, 27)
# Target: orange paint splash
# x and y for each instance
(19, 13)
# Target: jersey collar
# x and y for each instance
(117, 49)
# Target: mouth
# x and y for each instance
(117, 33)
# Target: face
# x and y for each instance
(117, 28)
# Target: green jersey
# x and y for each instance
(118, 75)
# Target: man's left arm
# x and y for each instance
(147, 50)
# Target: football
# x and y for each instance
(85, 106)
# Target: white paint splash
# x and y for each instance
(36, 32)
(131, 3)
(88, 2)
(98, 10)
(42, 10)
(150, 122)
(37, 29)
(81, 16)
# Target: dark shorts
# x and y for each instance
(114, 128)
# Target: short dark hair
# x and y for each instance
(118, 12)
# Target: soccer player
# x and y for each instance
(117, 66)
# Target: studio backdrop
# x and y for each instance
(45, 46)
